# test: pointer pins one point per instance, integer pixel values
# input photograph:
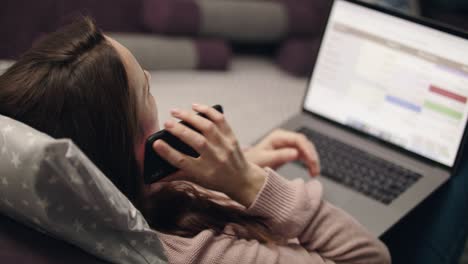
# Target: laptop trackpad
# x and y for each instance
(333, 192)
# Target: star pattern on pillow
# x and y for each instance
(99, 246)
(7, 129)
(15, 159)
(69, 205)
(4, 181)
(25, 186)
(7, 202)
(35, 167)
(149, 240)
(78, 226)
(123, 250)
(44, 204)
(4, 150)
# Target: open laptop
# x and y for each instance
(386, 107)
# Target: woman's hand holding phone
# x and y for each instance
(221, 165)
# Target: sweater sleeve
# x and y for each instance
(296, 210)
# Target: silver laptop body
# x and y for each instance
(394, 87)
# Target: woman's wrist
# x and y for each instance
(246, 193)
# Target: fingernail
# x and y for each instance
(157, 142)
(169, 123)
(195, 105)
(175, 111)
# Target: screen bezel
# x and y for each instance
(418, 20)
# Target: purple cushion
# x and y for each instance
(110, 15)
(23, 21)
(306, 17)
(191, 17)
(21, 244)
(213, 54)
(171, 16)
(297, 56)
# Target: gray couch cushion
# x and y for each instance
(167, 53)
(53, 187)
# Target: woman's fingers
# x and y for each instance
(174, 157)
(215, 117)
(314, 168)
(308, 153)
(179, 175)
(195, 140)
(176, 176)
(205, 126)
(282, 156)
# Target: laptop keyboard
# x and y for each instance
(368, 174)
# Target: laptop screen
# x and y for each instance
(392, 78)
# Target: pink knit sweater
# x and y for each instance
(318, 231)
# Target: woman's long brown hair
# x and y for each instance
(73, 84)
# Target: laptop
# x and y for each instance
(386, 107)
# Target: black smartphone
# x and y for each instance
(156, 167)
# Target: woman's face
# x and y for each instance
(139, 81)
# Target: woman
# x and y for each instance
(226, 206)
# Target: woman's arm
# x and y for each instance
(296, 210)
(325, 233)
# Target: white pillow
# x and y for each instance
(53, 187)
